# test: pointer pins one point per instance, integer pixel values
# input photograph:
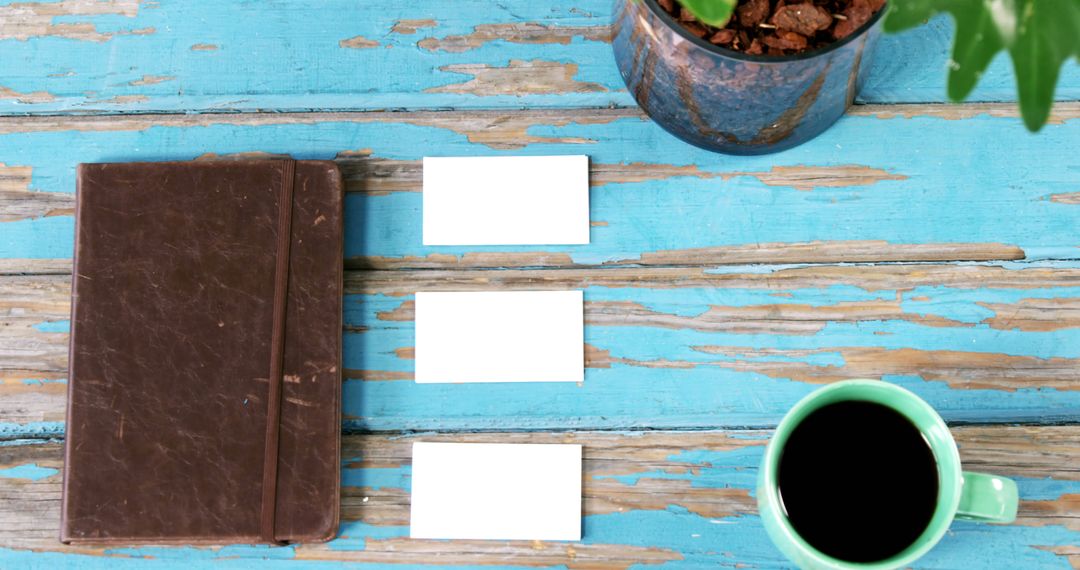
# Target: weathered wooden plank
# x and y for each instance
(182, 55)
(891, 183)
(669, 347)
(14, 266)
(666, 499)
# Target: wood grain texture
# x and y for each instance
(669, 347)
(79, 56)
(651, 499)
(655, 201)
(928, 244)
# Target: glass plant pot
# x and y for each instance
(730, 102)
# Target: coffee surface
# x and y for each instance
(858, 481)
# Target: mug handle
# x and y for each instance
(988, 498)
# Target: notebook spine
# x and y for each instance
(79, 181)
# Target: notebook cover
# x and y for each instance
(199, 336)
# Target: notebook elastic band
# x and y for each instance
(277, 353)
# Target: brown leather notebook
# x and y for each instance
(205, 366)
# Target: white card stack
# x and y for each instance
(496, 491)
(492, 490)
(510, 200)
(500, 336)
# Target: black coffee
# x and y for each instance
(858, 481)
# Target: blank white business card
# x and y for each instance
(504, 336)
(496, 491)
(506, 200)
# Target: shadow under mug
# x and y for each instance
(962, 495)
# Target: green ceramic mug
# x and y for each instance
(961, 495)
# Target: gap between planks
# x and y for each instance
(11, 268)
(61, 121)
(1063, 110)
(21, 439)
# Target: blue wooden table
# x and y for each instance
(933, 245)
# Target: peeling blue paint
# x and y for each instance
(54, 326)
(706, 394)
(692, 302)
(353, 535)
(43, 381)
(192, 554)
(15, 430)
(642, 217)
(253, 44)
(377, 478)
(693, 541)
(1047, 489)
(706, 469)
(38, 238)
(28, 471)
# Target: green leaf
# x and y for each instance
(712, 12)
(902, 15)
(976, 43)
(1048, 35)
(1039, 35)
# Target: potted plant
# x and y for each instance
(761, 76)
